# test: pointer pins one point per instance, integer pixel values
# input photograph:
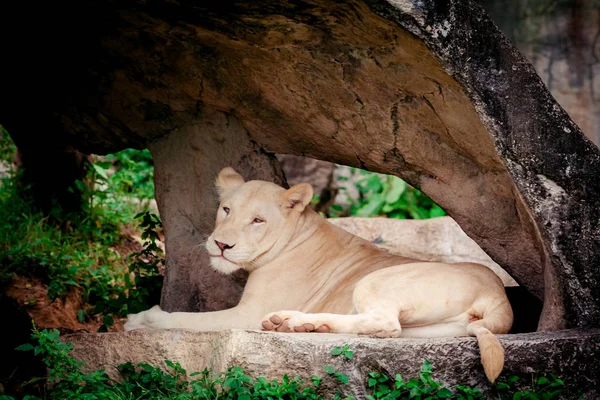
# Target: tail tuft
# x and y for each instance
(492, 353)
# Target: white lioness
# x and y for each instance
(307, 275)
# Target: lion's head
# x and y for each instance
(255, 221)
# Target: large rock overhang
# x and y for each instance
(430, 91)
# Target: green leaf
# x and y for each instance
(25, 347)
(444, 393)
(436, 211)
(372, 207)
(557, 382)
(398, 215)
(418, 213)
(398, 380)
(108, 320)
(336, 207)
(372, 184)
(329, 369)
(343, 378)
(426, 367)
(397, 187)
(336, 351)
(81, 316)
(543, 380)
(103, 172)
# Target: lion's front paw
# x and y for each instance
(154, 318)
(291, 321)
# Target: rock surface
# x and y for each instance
(430, 91)
(563, 45)
(570, 354)
(436, 239)
(319, 174)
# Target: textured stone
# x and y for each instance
(563, 45)
(571, 354)
(436, 239)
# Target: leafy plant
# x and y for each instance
(141, 292)
(390, 196)
(543, 388)
(384, 386)
(63, 249)
(65, 373)
(133, 173)
(341, 377)
(343, 350)
(7, 147)
(76, 251)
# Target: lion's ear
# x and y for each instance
(298, 196)
(227, 181)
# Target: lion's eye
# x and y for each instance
(226, 209)
(258, 221)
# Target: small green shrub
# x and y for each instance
(7, 147)
(129, 295)
(384, 386)
(133, 173)
(389, 196)
(60, 248)
(343, 351)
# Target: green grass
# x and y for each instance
(143, 381)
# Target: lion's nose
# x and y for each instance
(224, 246)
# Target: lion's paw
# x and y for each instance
(384, 334)
(154, 318)
(291, 321)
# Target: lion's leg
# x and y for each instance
(155, 318)
(377, 315)
(379, 323)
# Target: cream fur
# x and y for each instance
(309, 275)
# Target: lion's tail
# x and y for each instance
(498, 319)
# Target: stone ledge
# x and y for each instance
(571, 354)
